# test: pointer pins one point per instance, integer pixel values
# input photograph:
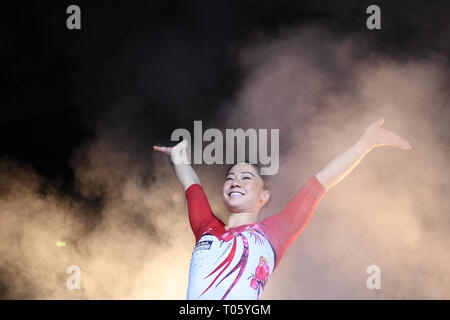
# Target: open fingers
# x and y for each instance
(166, 150)
(395, 140)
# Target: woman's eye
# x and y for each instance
(248, 178)
(229, 179)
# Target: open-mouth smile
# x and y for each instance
(236, 194)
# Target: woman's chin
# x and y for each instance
(234, 205)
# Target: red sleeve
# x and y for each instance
(201, 216)
(284, 227)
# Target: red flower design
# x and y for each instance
(262, 272)
(261, 275)
(254, 284)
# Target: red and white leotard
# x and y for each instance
(237, 263)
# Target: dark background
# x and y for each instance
(148, 67)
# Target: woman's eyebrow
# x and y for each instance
(241, 173)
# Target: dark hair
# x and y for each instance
(257, 167)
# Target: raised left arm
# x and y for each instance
(342, 165)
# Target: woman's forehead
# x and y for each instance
(242, 167)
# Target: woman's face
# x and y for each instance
(243, 189)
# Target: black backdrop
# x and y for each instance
(135, 63)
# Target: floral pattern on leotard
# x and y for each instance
(261, 275)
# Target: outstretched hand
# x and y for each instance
(376, 137)
(179, 155)
(178, 152)
(166, 150)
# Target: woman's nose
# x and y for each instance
(235, 183)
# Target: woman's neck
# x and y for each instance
(240, 219)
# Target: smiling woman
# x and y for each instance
(240, 256)
(236, 260)
(244, 193)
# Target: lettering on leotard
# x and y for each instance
(203, 245)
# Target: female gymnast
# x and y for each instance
(235, 261)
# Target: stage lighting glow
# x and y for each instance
(61, 244)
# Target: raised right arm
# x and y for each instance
(184, 171)
(201, 216)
